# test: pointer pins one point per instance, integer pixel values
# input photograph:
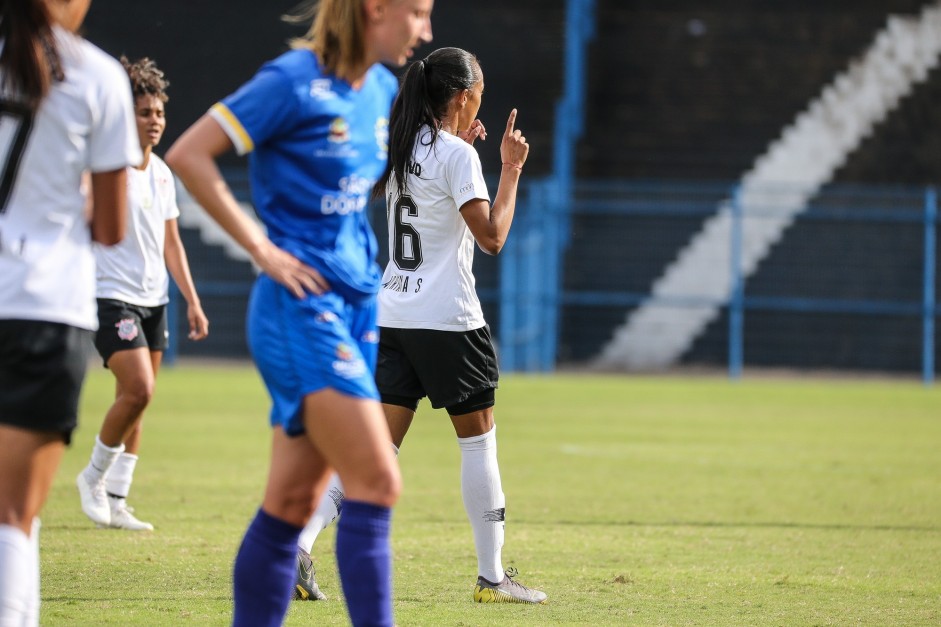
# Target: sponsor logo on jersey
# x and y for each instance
(371, 337)
(339, 131)
(353, 199)
(326, 317)
(344, 352)
(382, 137)
(466, 188)
(127, 329)
(320, 89)
(342, 205)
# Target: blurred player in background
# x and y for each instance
(315, 121)
(66, 120)
(133, 291)
(434, 340)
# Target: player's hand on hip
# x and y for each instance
(474, 132)
(290, 271)
(513, 148)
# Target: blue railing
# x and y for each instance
(851, 253)
(532, 264)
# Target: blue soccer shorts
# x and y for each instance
(303, 345)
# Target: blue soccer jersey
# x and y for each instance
(317, 147)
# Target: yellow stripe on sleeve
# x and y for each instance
(236, 131)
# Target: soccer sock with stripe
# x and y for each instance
(102, 458)
(330, 505)
(121, 475)
(264, 572)
(364, 559)
(484, 501)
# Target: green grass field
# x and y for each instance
(630, 501)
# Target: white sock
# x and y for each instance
(102, 458)
(119, 478)
(16, 576)
(32, 610)
(484, 501)
(326, 513)
(329, 509)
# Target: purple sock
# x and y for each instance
(264, 572)
(365, 562)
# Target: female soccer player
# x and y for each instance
(133, 291)
(316, 122)
(67, 121)
(433, 338)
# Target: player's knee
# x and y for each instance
(139, 393)
(294, 506)
(380, 486)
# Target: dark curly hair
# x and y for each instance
(146, 78)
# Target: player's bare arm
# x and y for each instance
(193, 159)
(490, 225)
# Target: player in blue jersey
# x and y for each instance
(315, 122)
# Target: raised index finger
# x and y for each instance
(510, 122)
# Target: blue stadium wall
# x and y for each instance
(681, 91)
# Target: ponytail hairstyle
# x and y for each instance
(427, 88)
(30, 59)
(146, 78)
(336, 33)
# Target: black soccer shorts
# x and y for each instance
(42, 367)
(449, 367)
(122, 326)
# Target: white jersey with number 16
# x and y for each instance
(429, 282)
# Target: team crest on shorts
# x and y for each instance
(127, 329)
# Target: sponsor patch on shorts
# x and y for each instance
(347, 364)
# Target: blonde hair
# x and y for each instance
(336, 33)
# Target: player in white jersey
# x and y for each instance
(433, 338)
(66, 122)
(133, 291)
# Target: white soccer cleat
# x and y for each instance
(122, 518)
(94, 500)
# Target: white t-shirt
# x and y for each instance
(134, 271)
(429, 282)
(85, 123)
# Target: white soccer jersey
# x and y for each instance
(429, 282)
(85, 123)
(134, 271)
